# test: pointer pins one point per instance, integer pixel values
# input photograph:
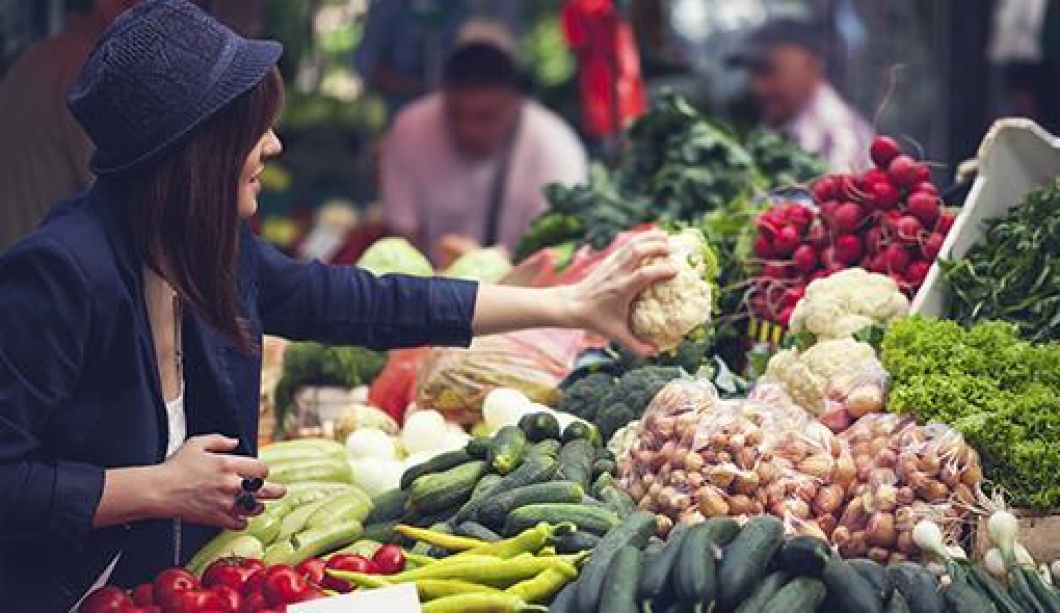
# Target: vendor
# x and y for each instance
(472, 160)
(131, 320)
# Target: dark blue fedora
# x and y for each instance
(158, 72)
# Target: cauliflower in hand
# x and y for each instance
(847, 302)
(805, 376)
(667, 311)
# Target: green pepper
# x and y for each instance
(532, 541)
(545, 585)
(480, 603)
(474, 570)
(439, 539)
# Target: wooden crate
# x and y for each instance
(1039, 533)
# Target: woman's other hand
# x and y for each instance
(202, 480)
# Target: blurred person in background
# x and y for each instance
(44, 154)
(786, 63)
(465, 166)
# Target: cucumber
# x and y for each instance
(695, 576)
(876, 575)
(620, 583)
(576, 462)
(387, 506)
(580, 429)
(600, 482)
(539, 426)
(495, 509)
(635, 532)
(657, 579)
(804, 556)
(438, 492)
(986, 584)
(603, 453)
(764, 592)
(479, 447)
(534, 470)
(848, 591)
(506, 451)
(604, 466)
(744, 561)
(587, 518)
(549, 447)
(962, 597)
(439, 463)
(576, 542)
(918, 587)
(897, 604)
(476, 530)
(800, 595)
(381, 532)
(566, 601)
(485, 486)
(618, 501)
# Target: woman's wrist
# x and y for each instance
(132, 494)
(571, 307)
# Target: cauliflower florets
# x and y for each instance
(804, 376)
(667, 311)
(847, 302)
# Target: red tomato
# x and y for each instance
(106, 600)
(283, 585)
(312, 594)
(170, 583)
(198, 600)
(240, 574)
(312, 569)
(390, 559)
(351, 562)
(253, 603)
(143, 595)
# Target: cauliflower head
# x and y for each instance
(805, 376)
(843, 304)
(667, 311)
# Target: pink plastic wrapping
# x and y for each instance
(854, 392)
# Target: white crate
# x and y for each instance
(1016, 157)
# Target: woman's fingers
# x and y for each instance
(271, 491)
(647, 276)
(214, 443)
(639, 250)
(245, 467)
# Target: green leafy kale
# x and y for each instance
(322, 365)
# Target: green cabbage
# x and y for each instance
(485, 265)
(395, 255)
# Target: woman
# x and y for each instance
(129, 322)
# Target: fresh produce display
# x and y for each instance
(486, 265)
(999, 391)
(1010, 274)
(395, 255)
(611, 402)
(805, 375)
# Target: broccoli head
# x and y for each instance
(637, 387)
(613, 418)
(585, 396)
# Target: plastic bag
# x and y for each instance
(456, 381)
(854, 392)
(395, 387)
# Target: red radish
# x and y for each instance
(878, 264)
(908, 230)
(848, 249)
(825, 189)
(793, 295)
(924, 207)
(923, 173)
(817, 236)
(895, 259)
(931, 246)
(805, 259)
(763, 248)
(849, 187)
(835, 267)
(770, 222)
(945, 223)
(828, 210)
(883, 150)
(917, 272)
(785, 316)
(874, 176)
(905, 287)
(902, 171)
(926, 187)
(828, 257)
(847, 218)
(820, 274)
(775, 270)
(787, 241)
(799, 216)
(882, 196)
(873, 240)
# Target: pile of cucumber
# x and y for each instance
(502, 485)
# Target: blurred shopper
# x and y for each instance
(44, 154)
(405, 43)
(786, 63)
(472, 159)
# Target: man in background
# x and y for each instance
(786, 63)
(468, 163)
(43, 153)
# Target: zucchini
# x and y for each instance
(744, 561)
(506, 451)
(620, 583)
(534, 470)
(918, 587)
(804, 556)
(301, 450)
(387, 506)
(295, 521)
(549, 447)
(764, 592)
(328, 470)
(962, 597)
(695, 574)
(539, 426)
(876, 575)
(439, 463)
(438, 492)
(576, 462)
(312, 543)
(587, 518)
(800, 595)
(583, 430)
(657, 579)
(475, 530)
(495, 509)
(986, 584)
(897, 604)
(351, 505)
(479, 447)
(635, 532)
(848, 591)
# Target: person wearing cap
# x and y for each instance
(786, 63)
(131, 319)
(469, 163)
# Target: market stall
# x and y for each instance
(888, 443)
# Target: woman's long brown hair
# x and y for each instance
(184, 210)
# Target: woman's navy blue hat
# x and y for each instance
(158, 72)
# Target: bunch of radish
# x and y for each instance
(889, 220)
